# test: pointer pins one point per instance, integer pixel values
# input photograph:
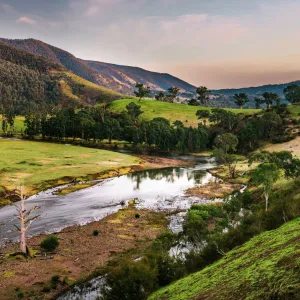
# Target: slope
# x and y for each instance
(30, 81)
(170, 111)
(266, 267)
(118, 78)
(128, 76)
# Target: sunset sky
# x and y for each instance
(217, 43)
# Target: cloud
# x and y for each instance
(26, 20)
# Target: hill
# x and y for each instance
(30, 81)
(258, 90)
(170, 111)
(266, 267)
(116, 77)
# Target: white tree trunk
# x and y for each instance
(267, 199)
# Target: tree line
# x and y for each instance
(98, 123)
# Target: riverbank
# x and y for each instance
(213, 190)
(39, 166)
(79, 253)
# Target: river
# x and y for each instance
(161, 189)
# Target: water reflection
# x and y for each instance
(156, 189)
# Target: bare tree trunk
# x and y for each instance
(267, 199)
(24, 217)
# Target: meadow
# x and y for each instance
(36, 164)
(170, 111)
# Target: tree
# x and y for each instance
(266, 175)
(271, 98)
(270, 124)
(240, 99)
(193, 102)
(172, 93)
(284, 160)
(258, 101)
(226, 119)
(203, 94)
(142, 91)
(134, 111)
(112, 128)
(160, 96)
(25, 218)
(203, 114)
(225, 146)
(292, 93)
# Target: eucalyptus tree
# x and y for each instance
(134, 111)
(172, 93)
(224, 149)
(160, 96)
(292, 93)
(141, 91)
(203, 94)
(266, 175)
(241, 99)
(271, 98)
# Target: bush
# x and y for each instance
(46, 289)
(137, 216)
(49, 243)
(54, 281)
(131, 280)
(96, 232)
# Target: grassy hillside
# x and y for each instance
(171, 111)
(294, 109)
(266, 267)
(91, 89)
(35, 163)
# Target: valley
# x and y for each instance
(121, 183)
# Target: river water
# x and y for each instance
(154, 189)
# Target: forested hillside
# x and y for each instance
(33, 83)
(258, 90)
(116, 77)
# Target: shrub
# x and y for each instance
(54, 281)
(137, 216)
(95, 232)
(46, 289)
(131, 280)
(49, 243)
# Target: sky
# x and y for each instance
(216, 43)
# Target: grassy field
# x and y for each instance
(33, 164)
(266, 267)
(19, 124)
(294, 109)
(171, 111)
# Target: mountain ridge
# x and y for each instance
(119, 78)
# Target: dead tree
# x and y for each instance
(25, 218)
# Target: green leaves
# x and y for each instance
(266, 175)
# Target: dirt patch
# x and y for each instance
(213, 190)
(292, 146)
(79, 253)
(84, 155)
(162, 162)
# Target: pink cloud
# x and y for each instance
(26, 20)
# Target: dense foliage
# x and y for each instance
(98, 124)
